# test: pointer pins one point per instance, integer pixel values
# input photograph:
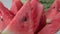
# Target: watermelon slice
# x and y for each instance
(37, 16)
(5, 16)
(1, 24)
(58, 5)
(16, 5)
(22, 22)
(53, 27)
(52, 12)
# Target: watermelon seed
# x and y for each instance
(1, 18)
(24, 19)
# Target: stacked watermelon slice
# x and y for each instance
(29, 18)
(53, 19)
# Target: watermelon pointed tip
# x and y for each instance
(5, 32)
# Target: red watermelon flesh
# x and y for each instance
(37, 16)
(41, 25)
(52, 12)
(1, 24)
(16, 5)
(58, 5)
(53, 27)
(5, 16)
(22, 22)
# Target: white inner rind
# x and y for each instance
(58, 32)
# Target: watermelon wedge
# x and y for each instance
(52, 12)
(53, 27)
(5, 16)
(37, 16)
(22, 22)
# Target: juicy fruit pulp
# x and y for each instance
(29, 18)
(27, 13)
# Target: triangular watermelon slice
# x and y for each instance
(38, 17)
(53, 27)
(22, 22)
(52, 12)
(5, 16)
